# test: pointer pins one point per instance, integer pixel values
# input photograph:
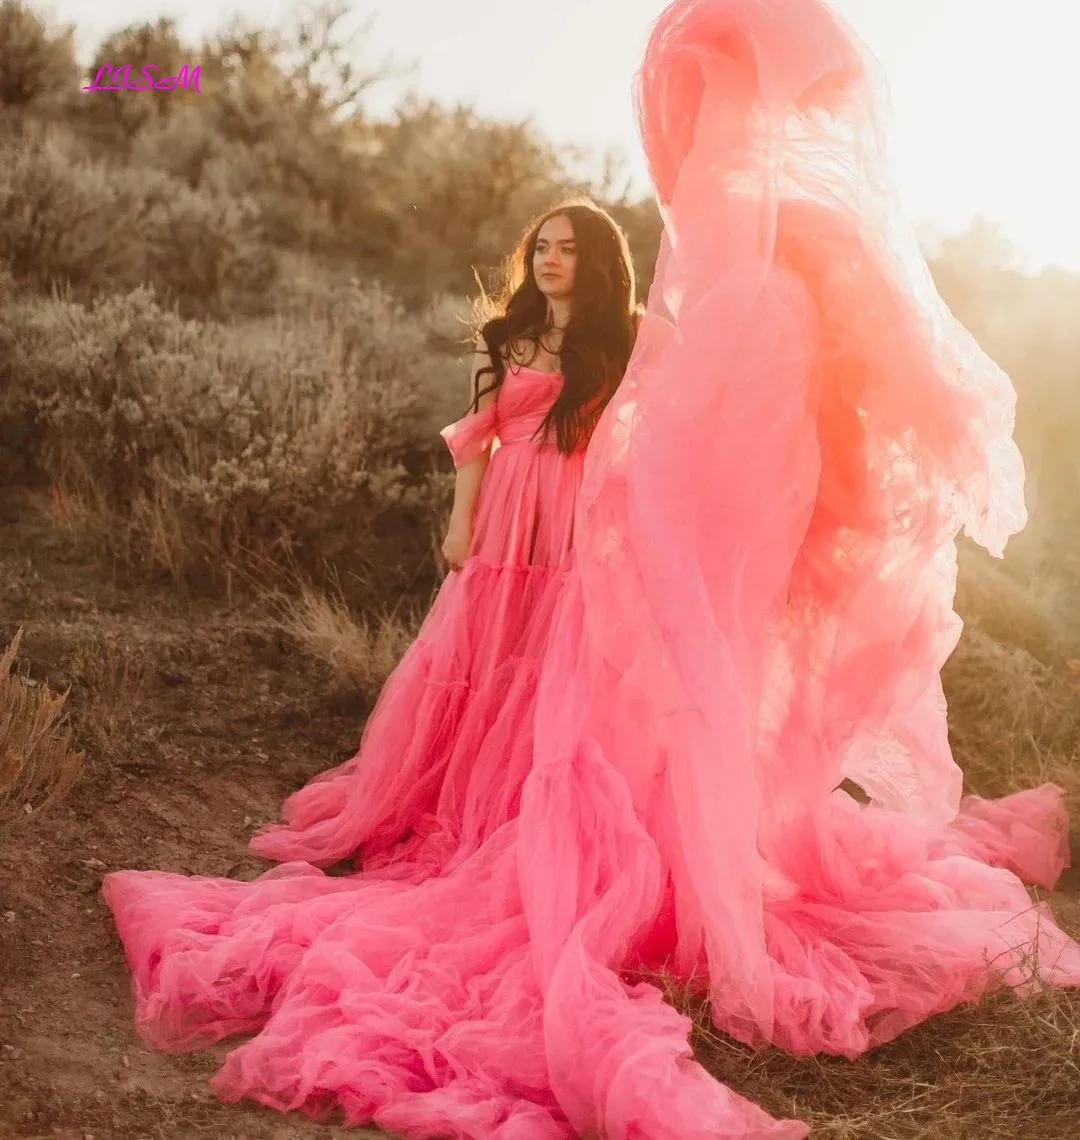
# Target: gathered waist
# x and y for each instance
(524, 437)
(504, 442)
(546, 447)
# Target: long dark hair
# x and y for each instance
(599, 336)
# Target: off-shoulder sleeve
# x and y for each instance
(468, 436)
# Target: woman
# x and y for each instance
(449, 742)
(756, 609)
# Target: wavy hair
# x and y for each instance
(599, 336)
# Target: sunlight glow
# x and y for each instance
(985, 93)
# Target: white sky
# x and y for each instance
(985, 103)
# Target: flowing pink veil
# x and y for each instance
(762, 601)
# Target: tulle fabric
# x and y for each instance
(468, 437)
(448, 744)
(756, 606)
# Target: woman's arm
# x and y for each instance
(469, 475)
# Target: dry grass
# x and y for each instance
(1020, 607)
(108, 680)
(1002, 1069)
(37, 761)
(1014, 721)
(360, 653)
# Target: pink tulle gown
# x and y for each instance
(619, 741)
(447, 747)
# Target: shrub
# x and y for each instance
(207, 253)
(210, 450)
(37, 65)
(115, 117)
(185, 145)
(37, 762)
(96, 228)
(71, 221)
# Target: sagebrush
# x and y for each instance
(37, 761)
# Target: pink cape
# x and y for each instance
(759, 606)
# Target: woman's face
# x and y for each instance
(555, 257)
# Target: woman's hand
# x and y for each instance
(455, 547)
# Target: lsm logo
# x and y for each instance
(120, 79)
